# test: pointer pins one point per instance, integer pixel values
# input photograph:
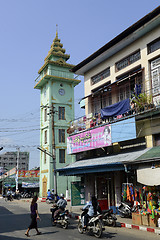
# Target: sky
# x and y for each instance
(27, 30)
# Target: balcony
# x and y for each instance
(138, 107)
(54, 73)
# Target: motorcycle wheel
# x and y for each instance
(111, 221)
(122, 215)
(80, 228)
(52, 223)
(114, 223)
(65, 225)
(98, 232)
(47, 201)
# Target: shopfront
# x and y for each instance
(103, 177)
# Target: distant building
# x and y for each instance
(8, 160)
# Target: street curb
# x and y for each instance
(126, 225)
(141, 228)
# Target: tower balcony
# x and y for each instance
(52, 73)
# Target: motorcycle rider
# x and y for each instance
(61, 204)
(48, 193)
(92, 207)
(9, 194)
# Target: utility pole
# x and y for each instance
(53, 152)
(52, 112)
(17, 169)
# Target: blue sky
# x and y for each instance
(27, 30)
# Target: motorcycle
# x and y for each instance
(62, 220)
(8, 197)
(50, 200)
(109, 218)
(126, 209)
(94, 225)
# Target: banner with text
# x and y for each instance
(95, 138)
(28, 173)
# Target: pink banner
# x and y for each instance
(95, 138)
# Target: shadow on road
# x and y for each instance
(11, 238)
(4, 210)
(108, 235)
(15, 222)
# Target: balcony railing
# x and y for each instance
(94, 120)
(56, 73)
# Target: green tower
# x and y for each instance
(56, 84)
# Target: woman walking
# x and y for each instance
(34, 217)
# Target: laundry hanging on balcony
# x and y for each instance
(116, 109)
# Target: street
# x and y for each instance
(15, 218)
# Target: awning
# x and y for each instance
(102, 164)
(149, 176)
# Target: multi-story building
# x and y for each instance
(56, 83)
(118, 140)
(8, 160)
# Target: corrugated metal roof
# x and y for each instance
(114, 162)
(152, 154)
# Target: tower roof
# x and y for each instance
(57, 50)
(56, 55)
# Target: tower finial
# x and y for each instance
(56, 30)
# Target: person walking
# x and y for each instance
(34, 217)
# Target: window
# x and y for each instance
(106, 99)
(45, 158)
(100, 76)
(128, 60)
(45, 136)
(61, 113)
(153, 46)
(155, 75)
(45, 114)
(61, 155)
(61, 135)
(96, 104)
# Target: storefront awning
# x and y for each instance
(149, 176)
(102, 164)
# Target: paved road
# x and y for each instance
(14, 220)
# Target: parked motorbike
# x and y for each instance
(8, 197)
(109, 218)
(16, 196)
(26, 195)
(50, 200)
(126, 209)
(62, 220)
(94, 225)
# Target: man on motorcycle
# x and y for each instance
(92, 207)
(61, 204)
(9, 194)
(48, 193)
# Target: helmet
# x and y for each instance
(52, 190)
(61, 195)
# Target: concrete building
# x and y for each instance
(56, 84)
(122, 98)
(8, 160)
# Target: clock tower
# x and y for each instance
(56, 84)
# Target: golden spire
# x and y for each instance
(56, 30)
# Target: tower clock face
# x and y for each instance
(61, 91)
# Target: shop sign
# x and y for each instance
(95, 138)
(28, 173)
(30, 185)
